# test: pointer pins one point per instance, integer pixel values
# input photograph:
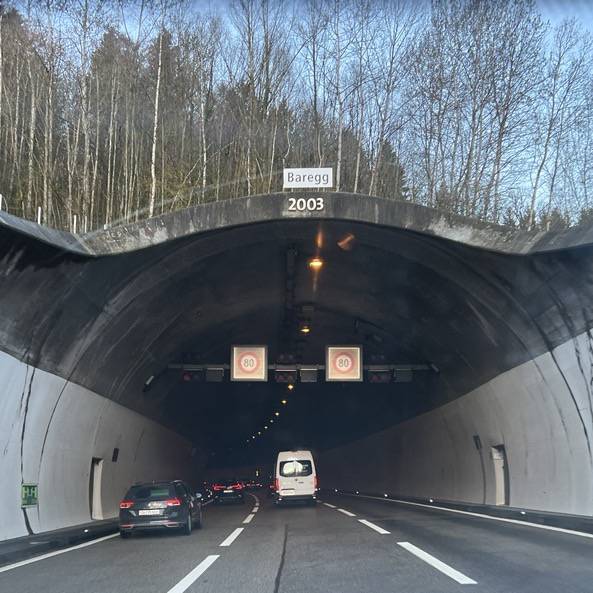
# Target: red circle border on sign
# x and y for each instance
(337, 369)
(257, 360)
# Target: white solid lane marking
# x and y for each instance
(436, 563)
(194, 575)
(480, 515)
(375, 527)
(249, 518)
(331, 506)
(231, 538)
(56, 553)
(347, 512)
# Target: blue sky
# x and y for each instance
(556, 10)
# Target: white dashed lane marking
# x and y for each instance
(190, 578)
(375, 527)
(436, 563)
(348, 513)
(231, 538)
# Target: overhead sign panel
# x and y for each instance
(308, 178)
(249, 363)
(343, 363)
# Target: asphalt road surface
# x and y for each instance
(343, 545)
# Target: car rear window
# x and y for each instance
(295, 468)
(157, 491)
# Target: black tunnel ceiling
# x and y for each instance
(109, 322)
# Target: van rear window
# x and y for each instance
(296, 468)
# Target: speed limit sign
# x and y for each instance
(249, 363)
(343, 363)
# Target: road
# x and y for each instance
(343, 545)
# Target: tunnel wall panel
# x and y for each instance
(540, 411)
(51, 429)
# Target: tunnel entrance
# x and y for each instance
(463, 334)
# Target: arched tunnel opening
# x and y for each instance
(116, 347)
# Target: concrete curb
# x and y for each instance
(14, 550)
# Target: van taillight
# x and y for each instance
(173, 502)
(316, 482)
(126, 504)
(277, 484)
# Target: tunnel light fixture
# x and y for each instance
(429, 500)
(276, 413)
(386, 495)
(347, 242)
(265, 428)
(148, 383)
(290, 386)
(316, 263)
(284, 402)
(305, 328)
(271, 421)
(259, 432)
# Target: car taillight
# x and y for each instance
(126, 504)
(237, 486)
(173, 502)
(276, 484)
(217, 487)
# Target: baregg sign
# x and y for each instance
(308, 178)
(249, 363)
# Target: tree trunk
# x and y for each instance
(154, 129)
(32, 123)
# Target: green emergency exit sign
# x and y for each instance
(29, 495)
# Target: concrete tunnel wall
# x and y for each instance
(531, 410)
(540, 410)
(51, 429)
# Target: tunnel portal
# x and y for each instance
(110, 343)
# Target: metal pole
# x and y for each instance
(39, 215)
(74, 225)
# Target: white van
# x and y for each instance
(295, 477)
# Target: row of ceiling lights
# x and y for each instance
(276, 415)
(315, 264)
